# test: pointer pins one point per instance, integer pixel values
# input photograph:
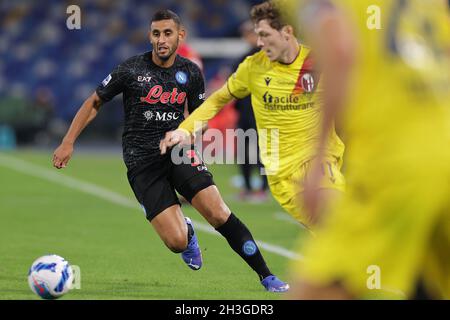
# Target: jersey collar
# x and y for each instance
(300, 47)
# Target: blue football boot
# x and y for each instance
(273, 284)
(192, 256)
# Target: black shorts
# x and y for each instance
(154, 185)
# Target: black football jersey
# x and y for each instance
(154, 99)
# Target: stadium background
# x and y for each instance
(42, 61)
(87, 213)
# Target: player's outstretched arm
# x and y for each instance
(201, 115)
(332, 40)
(84, 116)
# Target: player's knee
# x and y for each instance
(177, 243)
(217, 214)
(222, 214)
(211, 206)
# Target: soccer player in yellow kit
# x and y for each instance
(283, 81)
(389, 235)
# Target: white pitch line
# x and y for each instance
(285, 217)
(54, 176)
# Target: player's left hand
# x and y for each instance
(62, 155)
(172, 138)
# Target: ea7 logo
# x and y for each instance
(106, 80)
(144, 79)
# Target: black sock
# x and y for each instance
(241, 241)
(190, 232)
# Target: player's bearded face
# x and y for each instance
(270, 40)
(164, 36)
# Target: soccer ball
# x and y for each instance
(50, 276)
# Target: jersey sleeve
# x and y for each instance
(238, 83)
(207, 110)
(196, 91)
(113, 84)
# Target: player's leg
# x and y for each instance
(264, 181)
(172, 228)
(211, 206)
(376, 242)
(157, 197)
(177, 232)
(289, 191)
(246, 171)
(195, 183)
(326, 196)
(330, 189)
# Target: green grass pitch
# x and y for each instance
(118, 252)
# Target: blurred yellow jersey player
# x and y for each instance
(389, 236)
(283, 82)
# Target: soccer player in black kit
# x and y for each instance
(156, 86)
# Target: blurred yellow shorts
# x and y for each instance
(288, 191)
(379, 241)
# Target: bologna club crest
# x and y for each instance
(307, 82)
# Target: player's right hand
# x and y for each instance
(172, 138)
(62, 155)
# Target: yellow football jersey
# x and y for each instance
(286, 106)
(400, 97)
(395, 214)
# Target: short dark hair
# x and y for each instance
(166, 15)
(268, 11)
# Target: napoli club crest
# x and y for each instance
(181, 77)
(249, 248)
